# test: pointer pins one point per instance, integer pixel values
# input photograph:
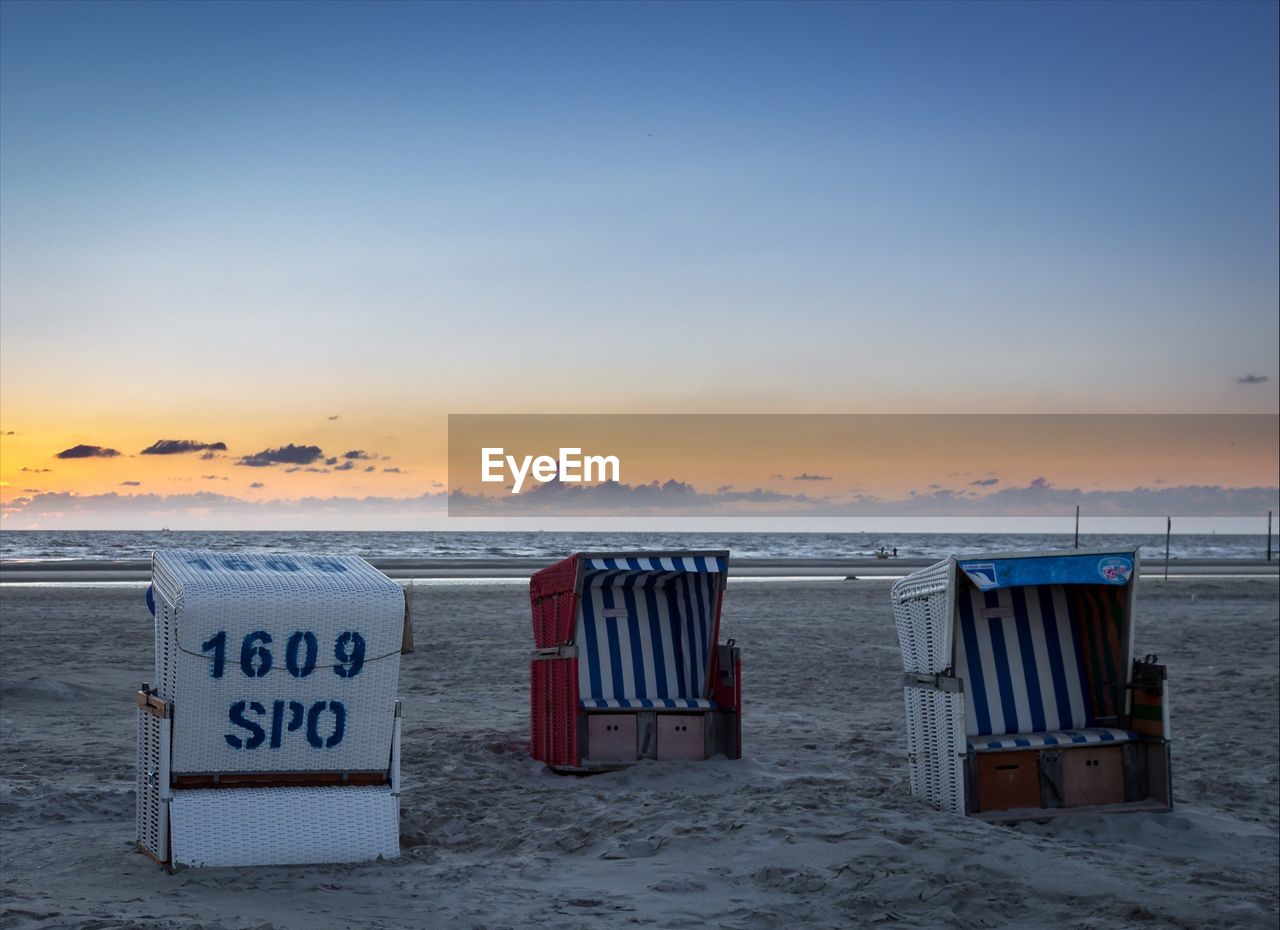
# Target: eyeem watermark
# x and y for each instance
(569, 467)
(936, 466)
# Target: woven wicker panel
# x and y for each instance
(284, 826)
(552, 593)
(936, 747)
(323, 701)
(152, 812)
(922, 611)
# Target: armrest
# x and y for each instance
(1148, 698)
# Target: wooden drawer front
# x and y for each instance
(1008, 780)
(1092, 775)
(682, 736)
(611, 737)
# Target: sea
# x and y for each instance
(48, 545)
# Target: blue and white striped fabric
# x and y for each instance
(1059, 738)
(648, 703)
(644, 636)
(697, 564)
(1017, 650)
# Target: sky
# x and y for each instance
(330, 226)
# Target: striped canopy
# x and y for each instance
(1042, 642)
(604, 571)
(645, 629)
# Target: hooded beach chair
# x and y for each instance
(627, 664)
(271, 734)
(1023, 697)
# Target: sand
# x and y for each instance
(815, 827)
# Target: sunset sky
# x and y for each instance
(329, 226)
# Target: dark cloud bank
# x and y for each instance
(179, 446)
(283, 455)
(88, 452)
(1036, 499)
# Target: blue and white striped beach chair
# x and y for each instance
(1021, 689)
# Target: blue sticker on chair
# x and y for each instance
(151, 599)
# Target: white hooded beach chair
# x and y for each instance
(271, 734)
(1022, 694)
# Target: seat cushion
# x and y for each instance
(648, 703)
(1053, 738)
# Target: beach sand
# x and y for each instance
(814, 827)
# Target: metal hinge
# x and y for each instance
(563, 651)
(936, 682)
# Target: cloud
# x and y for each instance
(346, 466)
(215, 478)
(1041, 498)
(35, 471)
(210, 509)
(87, 452)
(332, 460)
(984, 482)
(257, 484)
(282, 455)
(396, 471)
(131, 484)
(357, 454)
(179, 446)
(369, 468)
(1038, 498)
(335, 416)
(621, 498)
(805, 476)
(1252, 379)
(213, 510)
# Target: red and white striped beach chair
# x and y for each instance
(628, 665)
(1023, 698)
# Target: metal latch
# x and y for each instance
(1148, 674)
(936, 682)
(563, 651)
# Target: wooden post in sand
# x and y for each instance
(1077, 526)
(1168, 531)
